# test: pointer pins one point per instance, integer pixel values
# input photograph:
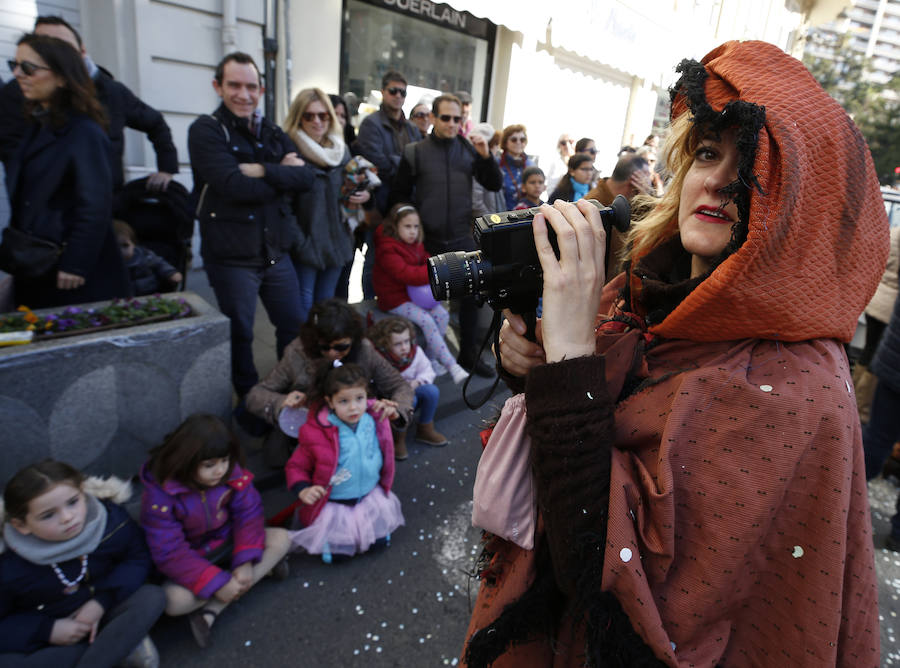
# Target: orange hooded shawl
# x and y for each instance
(737, 530)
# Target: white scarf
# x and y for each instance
(323, 156)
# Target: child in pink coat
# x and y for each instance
(343, 469)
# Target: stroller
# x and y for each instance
(163, 221)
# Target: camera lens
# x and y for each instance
(457, 274)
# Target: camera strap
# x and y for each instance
(493, 332)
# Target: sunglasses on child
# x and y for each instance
(446, 118)
(310, 116)
(396, 90)
(336, 347)
(27, 68)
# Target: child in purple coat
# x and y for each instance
(204, 523)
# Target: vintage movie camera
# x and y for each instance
(506, 272)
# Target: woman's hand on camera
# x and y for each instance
(573, 283)
(517, 354)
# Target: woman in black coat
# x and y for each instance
(60, 183)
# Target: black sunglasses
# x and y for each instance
(27, 68)
(396, 90)
(591, 151)
(420, 114)
(336, 347)
(309, 116)
(446, 118)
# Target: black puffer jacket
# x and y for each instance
(244, 221)
(436, 175)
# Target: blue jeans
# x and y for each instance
(236, 290)
(426, 401)
(315, 286)
(879, 436)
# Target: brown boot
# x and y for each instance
(400, 452)
(426, 433)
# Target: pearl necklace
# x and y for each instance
(71, 586)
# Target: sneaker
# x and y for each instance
(427, 434)
(478, 367)
(281, 570)
(439, 369)
(458, 373)
(142, 656)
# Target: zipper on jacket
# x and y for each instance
(205, 509)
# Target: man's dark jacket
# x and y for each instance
(123, 109)
(436, 175)
(244, 221)
(376, 142)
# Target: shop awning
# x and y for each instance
(648, 38)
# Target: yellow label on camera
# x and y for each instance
(495, 218)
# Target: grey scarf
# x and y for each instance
(45, 552)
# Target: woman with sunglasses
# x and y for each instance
(421, 117)
(325, 241)
(333, 332)
(60, 182)
(513, 161)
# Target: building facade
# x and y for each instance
(592, 68)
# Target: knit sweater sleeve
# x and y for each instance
(570, 422)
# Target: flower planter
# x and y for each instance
(101, 398)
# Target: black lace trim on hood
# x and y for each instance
(747, 119)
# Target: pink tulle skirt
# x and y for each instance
(351, 529)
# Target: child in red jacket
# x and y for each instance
(343, 469)
(400, 276)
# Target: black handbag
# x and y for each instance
(27, 256)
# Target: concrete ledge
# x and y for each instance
(101, 400)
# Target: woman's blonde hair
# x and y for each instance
(677, 155)
(293, 121)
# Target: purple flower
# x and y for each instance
(72, 310)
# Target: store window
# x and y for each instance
(432, 45)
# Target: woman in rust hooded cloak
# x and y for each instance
(699, 477)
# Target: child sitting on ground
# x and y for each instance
(532, 187)
(395, 339)
(72, 579)
(343, 469)
(400, 264)
(148, 271)
(204, 523)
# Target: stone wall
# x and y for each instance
(100, 401)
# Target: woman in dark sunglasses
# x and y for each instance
(512, 162)
(60, 185)
(325, 227)
(333, 332)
